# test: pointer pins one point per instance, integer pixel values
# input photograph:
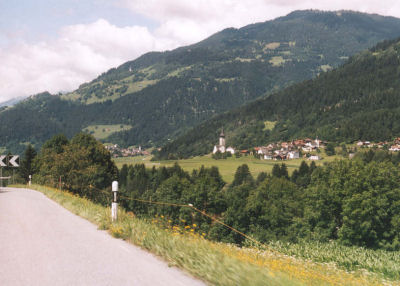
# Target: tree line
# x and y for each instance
(356, 202)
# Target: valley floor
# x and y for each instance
(227, 167)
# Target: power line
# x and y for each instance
(193, 208)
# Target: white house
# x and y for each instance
(394, 148)
(314, 158)
(307, 149)
(230, 150)
(293, 155)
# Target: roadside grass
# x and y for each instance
(227, 167)
(218, 263)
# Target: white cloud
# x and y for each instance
(80, 53)
(188, 21)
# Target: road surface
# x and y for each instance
(41, 243)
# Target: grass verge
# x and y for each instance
(215, 263)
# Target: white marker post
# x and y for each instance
(30, 180)
(114, 204)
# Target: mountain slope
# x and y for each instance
(309, 41)
(161, 95)
(356, 101)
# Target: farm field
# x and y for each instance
(227, 167)
(103, 131)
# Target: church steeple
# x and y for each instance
(222, 139)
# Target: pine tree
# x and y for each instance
(27, 167)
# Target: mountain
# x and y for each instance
(161, 95)
(11, 102)
(358, 100)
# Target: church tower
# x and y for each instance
(222, 138)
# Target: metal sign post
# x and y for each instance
(114, 204)
(2, 164)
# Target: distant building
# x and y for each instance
(221, 146)
(268, 157)
(230, 150)
(314, 158)
(293, 155)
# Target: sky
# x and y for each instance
(56, 45)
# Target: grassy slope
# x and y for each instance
(216, 263)
(103, 131)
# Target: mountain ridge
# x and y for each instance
(163, 94)
(355, 101)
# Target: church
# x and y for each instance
(221, 147)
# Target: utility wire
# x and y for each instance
(195, 209)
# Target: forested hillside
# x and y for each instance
(163, 94)
(356, 101)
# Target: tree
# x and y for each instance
(344, 152)
(243, 176)
(123, 175)
(274, 209)
(261, 177)
(83, 164)
(280, 171)
(55, 144)
(303, 176)
(284, 171)
(27, 166)
(276, 171)
(170, 191)
(372, 211)
(330, 149)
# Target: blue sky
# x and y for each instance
(42, 19)
(56, 45)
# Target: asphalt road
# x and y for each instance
(41, 243)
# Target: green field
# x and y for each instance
(227, 167)
(103, 131)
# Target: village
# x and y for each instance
(291, 150)
(288, 150)
(299, 148)
(116, 151)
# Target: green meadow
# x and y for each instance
(103, 131)
(227, 167)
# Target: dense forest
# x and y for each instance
(355, 202)
(163, 94)
(357, 101)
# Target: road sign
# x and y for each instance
(3, 161)
(9, 161)
(13, 161)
